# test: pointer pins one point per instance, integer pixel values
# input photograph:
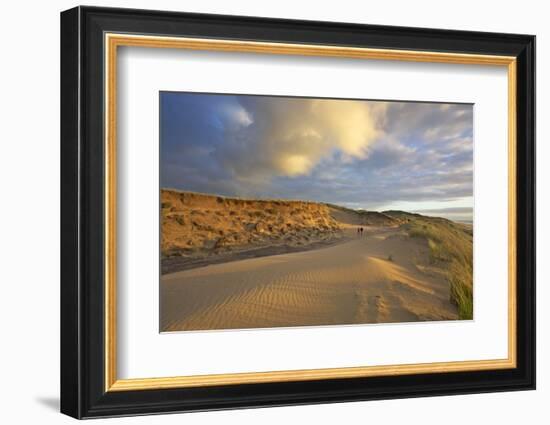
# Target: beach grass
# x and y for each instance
(450, 247)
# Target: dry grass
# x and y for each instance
(195, 224)
(451, 247)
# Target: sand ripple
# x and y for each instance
(350, 283)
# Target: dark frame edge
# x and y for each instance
(71, 350)
(526, 209)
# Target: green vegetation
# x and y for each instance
(450, 247)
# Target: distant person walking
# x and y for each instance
(361, 230)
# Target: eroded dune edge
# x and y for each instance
(233, 264)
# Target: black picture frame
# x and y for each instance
(83, 392)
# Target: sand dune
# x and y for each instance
(385, 276)
(201, 229)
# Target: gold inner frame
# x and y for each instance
(113, 41)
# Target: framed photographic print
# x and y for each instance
(261, 212)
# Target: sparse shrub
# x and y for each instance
(260, 227)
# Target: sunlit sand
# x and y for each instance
(382, 277)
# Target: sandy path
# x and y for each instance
(353, 282)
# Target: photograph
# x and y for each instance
(292, 211)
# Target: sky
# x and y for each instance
(374, 155)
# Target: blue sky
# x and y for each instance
(374, 155)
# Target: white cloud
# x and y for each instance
(291, 137)
(236, 116)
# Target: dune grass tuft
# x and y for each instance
(450, 246)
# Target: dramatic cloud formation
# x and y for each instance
(364, 154)
(290, 137)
